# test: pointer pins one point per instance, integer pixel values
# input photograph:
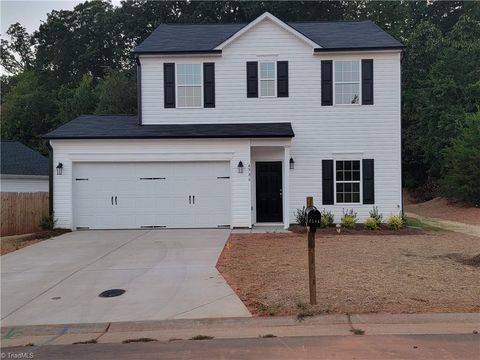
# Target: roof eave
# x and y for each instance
(368, 48)
(168, 137)
(179, 52)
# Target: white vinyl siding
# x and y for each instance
(321, 132)
(267, 79)
(189, 85)
(347, 82)
(24, 184)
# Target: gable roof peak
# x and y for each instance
(267, 16)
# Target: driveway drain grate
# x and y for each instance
(112, 293)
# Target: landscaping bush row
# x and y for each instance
(349, 219)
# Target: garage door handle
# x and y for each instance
(112, 200)
(189, 199)
(115, 200)
(194, 199)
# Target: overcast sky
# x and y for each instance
(30, 13)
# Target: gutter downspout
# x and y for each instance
(139, 89)
(50, 179)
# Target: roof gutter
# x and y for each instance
(182, 52)
(50, 179)
(324, 50)
(170, 137)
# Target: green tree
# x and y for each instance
(117, 93)
(27, 111)
(462, 169)
(17, 55)
(77, 101)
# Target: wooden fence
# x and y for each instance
(21, 213)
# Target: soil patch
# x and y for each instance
(18, 242)
(442, 208)
(355, 274)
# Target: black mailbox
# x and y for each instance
(313, 217)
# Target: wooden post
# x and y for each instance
(311, 260)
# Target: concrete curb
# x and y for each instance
(228, 328)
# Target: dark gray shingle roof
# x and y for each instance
(17, 159)
(126, 127)
(177, 38)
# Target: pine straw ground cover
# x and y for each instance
(424, 272)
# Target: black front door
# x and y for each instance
(269, 191)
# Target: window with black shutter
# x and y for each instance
(282, 78)
(209, 85)
(252, 79)
(169, 85)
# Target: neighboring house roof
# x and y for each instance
(18, 159)
(126, 127)
(329, 35)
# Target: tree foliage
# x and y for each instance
(80, 62)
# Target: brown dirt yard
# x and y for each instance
(17, 242)
(442, 208)
(423, 272)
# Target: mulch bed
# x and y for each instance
(360, 229)
(10, 245)
(431, 271)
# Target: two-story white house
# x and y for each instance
(237, 124)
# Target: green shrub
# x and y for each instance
(326, 219)
(349, 219)
(371, 223)
(48, 222)
(394, 222)
(300, 216)
(376, 215)
(462, 164)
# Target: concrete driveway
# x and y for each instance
(167, 274)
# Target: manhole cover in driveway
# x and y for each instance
(112, 293)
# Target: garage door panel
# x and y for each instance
(152, 194)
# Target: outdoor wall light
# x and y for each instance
(240, 167)
(59, 169)
(292, 164)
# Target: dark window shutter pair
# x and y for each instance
(208, 85)
(252, 79)
(327, 82)
(328, 185)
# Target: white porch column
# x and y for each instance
(286, 188)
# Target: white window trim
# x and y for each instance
(177, 86)
(274, 79)
(347, 82)
(335, 182)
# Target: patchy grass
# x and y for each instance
(174, 339)
(91, 341)
(416, 223)
(202, 337)
(408, 273)
(138, 340)
(356, 331)
(267, 310)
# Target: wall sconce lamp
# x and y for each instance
(59, 168)
(292, 164)
(240, 167)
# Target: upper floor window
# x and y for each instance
(267, 79)
(189, 85)
(347, 82)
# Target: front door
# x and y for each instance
(269, 191)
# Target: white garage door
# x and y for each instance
(137, 195)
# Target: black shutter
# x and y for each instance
(252, 79)
(368, 181)
(327, 182)
(209, 85)
(169, 85)
(282, 78)
(367, 82)
(327, 83)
